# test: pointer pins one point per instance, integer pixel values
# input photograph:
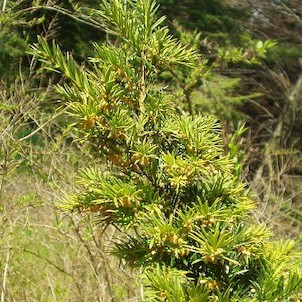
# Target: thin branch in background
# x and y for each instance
(84, 19)
(291, 13)
(4, 6)
(5, 274)
(186, 92)
(92, 259)
(41, 127)
(3, 175)
(60, 269)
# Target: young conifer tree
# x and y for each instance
(167, 182)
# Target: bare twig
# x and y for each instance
(77, 17)
(42, 126)
(5, 273)
(4, 6)
(186, 92)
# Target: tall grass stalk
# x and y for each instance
(4, 5)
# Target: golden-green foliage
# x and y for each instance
(163, 179)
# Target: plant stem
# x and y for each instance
(5, 275)
(4, 5)
(185, 91)
(2, 183)
(78, 17)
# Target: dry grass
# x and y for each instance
(51, 256)
(48, 255)
(278, 192)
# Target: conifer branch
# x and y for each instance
(167, 183)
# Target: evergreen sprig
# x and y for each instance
(167, 182)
